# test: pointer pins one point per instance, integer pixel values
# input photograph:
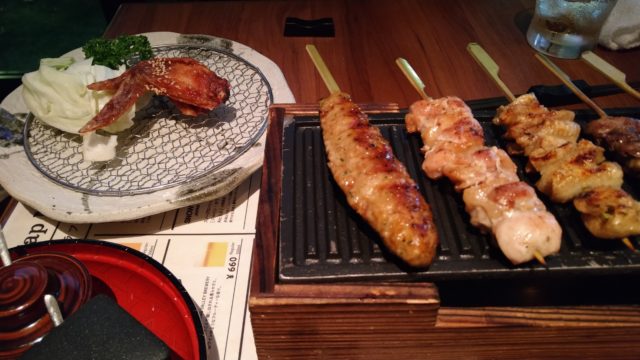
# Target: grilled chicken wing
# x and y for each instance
(376, 184)
(191, 85)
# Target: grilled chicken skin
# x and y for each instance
(494, 196)
(189, 84)
(376, 184)
(573, 169)
(609, 213)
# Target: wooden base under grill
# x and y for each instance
(410, 320)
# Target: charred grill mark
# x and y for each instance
(406, 192)
(584, 158)
(509, 193)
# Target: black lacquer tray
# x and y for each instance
(323, 239)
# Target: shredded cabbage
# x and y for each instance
(96, 147)
(57, 94)
(60, 98)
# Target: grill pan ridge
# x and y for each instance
(322, 239)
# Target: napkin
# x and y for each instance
(100, 330)
(621, 30)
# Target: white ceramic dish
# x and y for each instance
(22, 180)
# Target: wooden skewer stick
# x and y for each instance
(540, 258)
(490, 66)
(618, 77)
(322, 68)
(413, 77)
(567, 82)
(628, 243)
(418, 84)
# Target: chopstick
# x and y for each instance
(608, 70)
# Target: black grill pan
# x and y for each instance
(322, 239)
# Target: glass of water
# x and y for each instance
(566, 28)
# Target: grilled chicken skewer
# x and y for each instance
(570, 169)
(376, 184)
(618, 134)
(494, 196)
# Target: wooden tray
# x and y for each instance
(590, 318)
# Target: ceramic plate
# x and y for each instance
(156, 170)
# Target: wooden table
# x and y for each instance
(371, 34)
(419, 320)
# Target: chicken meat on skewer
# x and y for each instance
(570, 169)
(621, 135)
(376, 184)
(618, 134)
(494, 196)
(573, 170)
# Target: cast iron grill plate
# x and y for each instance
(323, 239)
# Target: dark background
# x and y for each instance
(35, 29)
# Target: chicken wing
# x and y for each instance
(191, 85)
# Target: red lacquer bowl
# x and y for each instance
(24, 319)
(141, 286)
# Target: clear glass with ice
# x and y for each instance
(566, 28)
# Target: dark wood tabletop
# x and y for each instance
(417, 320)
(370, 34)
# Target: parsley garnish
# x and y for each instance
(113, 53)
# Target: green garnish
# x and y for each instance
(113, 53)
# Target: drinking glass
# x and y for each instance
(566, 28)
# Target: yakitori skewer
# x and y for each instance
(616, 76)
(495, 198)
(376, 184)
(619, 134)
(571, 169)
